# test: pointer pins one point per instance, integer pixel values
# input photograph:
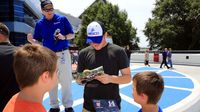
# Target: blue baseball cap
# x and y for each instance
(95, 31)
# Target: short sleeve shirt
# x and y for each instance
(45, 29)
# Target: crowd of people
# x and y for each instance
(40, 66)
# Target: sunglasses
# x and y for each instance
(3, 32)
(48, 10)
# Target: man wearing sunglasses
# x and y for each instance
(55, 31)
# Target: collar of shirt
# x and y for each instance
(5, 43)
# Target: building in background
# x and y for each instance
(21, 15)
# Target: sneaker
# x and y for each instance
(70, 109)
(54, 110)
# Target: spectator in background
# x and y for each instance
(169, 57)
(146, 58)
(147, 91)
(164, 57)
(36, 73)
(8, 83)
(55, 31)
(74, 56)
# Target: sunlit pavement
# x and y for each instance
(181, 88)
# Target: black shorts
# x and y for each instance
(146, 62)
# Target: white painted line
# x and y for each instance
(46, 95)
(134, 66)
(162, 70)
(129, 100)
(125, 85)
(143, 70)
(175, 77)
(158, 70)
(78, 102)
(179, 88)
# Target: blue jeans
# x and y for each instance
(170, 63)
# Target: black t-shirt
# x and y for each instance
(8, 84)
(113, 58)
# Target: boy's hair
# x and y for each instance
(151, 84)
(4, 30)
(30, 61)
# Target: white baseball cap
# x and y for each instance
(95, 31)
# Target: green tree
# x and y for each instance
(175, 24)
(115, 21)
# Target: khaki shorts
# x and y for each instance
(85, 110)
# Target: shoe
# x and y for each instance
(54, 110)
(70, 109)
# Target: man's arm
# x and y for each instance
(70, 36)
(124, 78)
(31, 39)
(66, 37)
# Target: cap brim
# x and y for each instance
(96, 39)
(48, 6)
